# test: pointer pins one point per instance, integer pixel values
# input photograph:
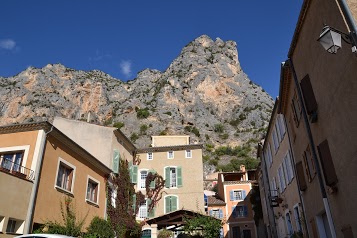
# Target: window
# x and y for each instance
(173, 177)
(309, 97)
(11, 160)
(217, 213)
(281, 179)
(65, 176)
(309, 164)
(133, 172)
(268, 154)
(188, 154)
(275, 141)
(240, 211)
(92, 190)
(14, 226)
(2, 221)
(288, 224)
(143, 175)
(150, 156)
(237, 195)
(171, 203)
(170, 155)
(296, 108)
(327, 163)
(281, 124)
(143, 212)
(300, 175)
(273, 188)
(289, 167)
(298, 218)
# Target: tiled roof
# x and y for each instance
(212, 200)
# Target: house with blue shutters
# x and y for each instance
(232, 203)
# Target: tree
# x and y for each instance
(126, 203)
(210, 226)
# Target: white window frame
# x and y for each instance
(281, 123)
(98, 190)
(150, 156)
(60, 160)
(297, 217)
(281, 179)
(18, 228)
(143, 208)
(140, 180)
(287, 225)
(24, 148)
(275, 141)
(241, 193)
(173, 167)
(188, 153)
(170, 154)
(268, 154)
(177, 199)
(2, 221)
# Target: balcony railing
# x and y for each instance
(17, 170)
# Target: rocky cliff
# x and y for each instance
(203, 92)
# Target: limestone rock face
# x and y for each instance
(202, 88)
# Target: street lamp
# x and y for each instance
(330, 39)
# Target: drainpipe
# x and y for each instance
(314, 155)
(31, 208)
(297, 181)
(350, 21)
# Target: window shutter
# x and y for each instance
(134, 203)
(220, 213)
(131, 170)
(70, 179)
(327, 163)
(231, 195)
(152, 212)
(234, 212)
(245, 211)
(116, 158)
(174, 203)
(210, 212)
(179, 176)
(309, 96)
(300, 176)
(167, 204)
(244, 194)
(167, 177)
(152, 183)
(134, 178)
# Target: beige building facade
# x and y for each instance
(46, 167)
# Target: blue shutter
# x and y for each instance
(174, 204)
(210, 212)
(134, 203)
(234, 212)
(131, 170)
(116, 158)
(152, 183)
(245, 211)
(167, 204)
(231, 195)
(179, 176)
(152, 212)
(244, 194)
(220, 213)
(167, 177)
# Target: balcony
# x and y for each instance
(7, 166)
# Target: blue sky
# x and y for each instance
(123, 37)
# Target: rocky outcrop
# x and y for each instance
(203, 92)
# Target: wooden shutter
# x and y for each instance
(327, 163)
(167, 204)
(116, 158)
(134, 203)
(179, 176)
(134, 178)
(174, 204)
(314, 229)
(167, 177)
(300, 176)
(347, 232)
(309, 96)
(152, 183)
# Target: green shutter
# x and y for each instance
(179, 176)
(167, 177)
(152, 183)
(134, 178)
(167, 204)
(131, 170)
(134, 202)
(173, 203)
(152, 212)
(116, 158)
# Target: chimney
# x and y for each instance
(242, 168)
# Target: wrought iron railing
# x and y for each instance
(17, 170)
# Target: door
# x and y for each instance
(236, 232)
(247, 234)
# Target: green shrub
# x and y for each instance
(142, 113)
(224, 136)
(188, 128)
(143, 129)
(118, 124)
(168, 113)
(164, 233)
(234, 122)
(196, 131)
(219, 128)
(99, 228)
(163, 133)
(134, 137)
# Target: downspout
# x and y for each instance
(297, 181)
(350, 21)
(31, 208)
(313, 150)
(269, 207)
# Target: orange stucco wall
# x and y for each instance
(49, 198)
